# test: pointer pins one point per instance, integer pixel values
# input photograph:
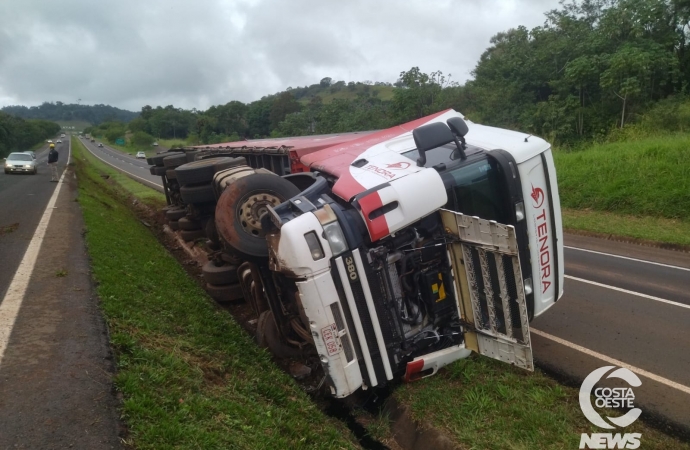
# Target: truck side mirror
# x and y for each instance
(430, 136)
(459, 128)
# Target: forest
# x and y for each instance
(19, 134)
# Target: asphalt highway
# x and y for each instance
(136, 168)
(634, 310)
(22, 200)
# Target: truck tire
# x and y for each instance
(198, 193)
(191, 155)
(225, 292)
(158, 170)
(210, 229)
(156, 160)
(202, 171)
(174, 225)
(240, 207)
(224, 274)
(175, 213)
(268, 336)
(189, 236)
(170, 174)
(176, 160)
(188, 224)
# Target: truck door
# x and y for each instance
(489, 288)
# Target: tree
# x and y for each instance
(283, 105)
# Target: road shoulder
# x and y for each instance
(56, 375)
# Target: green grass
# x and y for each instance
(637, 189)
(646, 228)
(647, 177)
(140, 191)
(170, 143)
(484, 404)
(189, 375)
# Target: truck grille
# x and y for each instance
(493, 290)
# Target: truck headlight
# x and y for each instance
(335, 237)
(331, 229)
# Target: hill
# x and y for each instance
(330, 90)
(59, 112)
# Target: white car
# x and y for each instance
(141, 155)
(59, 141)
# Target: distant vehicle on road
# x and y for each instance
(141, 155)
(21, 162)
(100, 145)
(63, 135)
(29, 152)
(59, 141)
(155, 144)
(93, 140)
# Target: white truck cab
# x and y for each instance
(416, 246)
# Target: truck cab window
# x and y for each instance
(479, 190)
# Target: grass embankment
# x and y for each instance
(481, 403)
(144, 193)
(639, 188)
(189, 375)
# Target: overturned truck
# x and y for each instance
(382, 255)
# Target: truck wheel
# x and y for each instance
(189, 236)
(224, 274)
(170, 174)
(202, 171)
(176, 213)
(156, 160)
(225, 293)
(241, 206)
(157, 170)
(267, 335)
(198, 193)
(187, 224)
(173, 161)
(174, 225)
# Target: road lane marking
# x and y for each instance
(644, 373)
(123, 170)
(629, 258)
(639, 294)
(9, 308)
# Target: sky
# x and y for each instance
(199, 53)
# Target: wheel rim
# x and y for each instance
(252, 209)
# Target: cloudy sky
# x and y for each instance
(198, 53)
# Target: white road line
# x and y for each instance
(123, 170)
(644, 373)
(639, 294)
(628, 258)
(9, 308)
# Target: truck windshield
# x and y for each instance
(478, 189)
(477, 185)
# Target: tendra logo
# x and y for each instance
(604, 397)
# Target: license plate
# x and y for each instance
(330, 337)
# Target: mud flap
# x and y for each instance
(489, 288)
